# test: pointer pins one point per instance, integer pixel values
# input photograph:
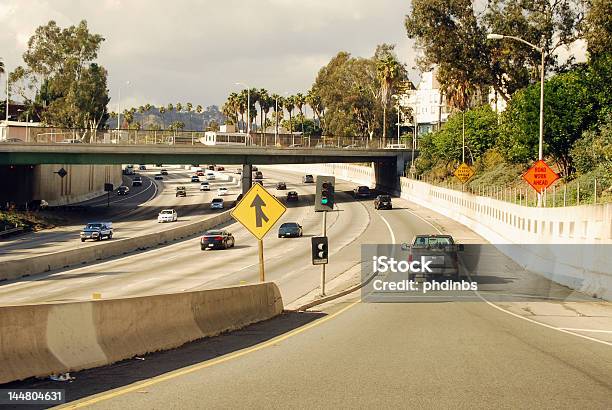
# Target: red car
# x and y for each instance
(220, 168)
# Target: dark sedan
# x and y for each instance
(281, 186)
(292, 196)
(217, 239)
(123, 190)
(383, 202)
(290, 230)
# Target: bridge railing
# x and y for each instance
(53, 135)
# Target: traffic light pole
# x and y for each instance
(324, 229)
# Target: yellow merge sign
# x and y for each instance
(258, 211)
(464, 172)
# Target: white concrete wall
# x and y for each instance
(552, 231)
(82, 182)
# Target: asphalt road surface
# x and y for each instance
(423, 354)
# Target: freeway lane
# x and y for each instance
(127, 220)
(411, 355)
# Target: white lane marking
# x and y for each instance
(388, 227)
(585, 330)
(560, 329)
(424, 220)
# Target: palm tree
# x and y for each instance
(289, 106)
(188, 108)
(300, 100)
(199, 110)
(162, 110)
(316, 104)
(264, 106)
(242, 104)
(389, 70)
(273, 102)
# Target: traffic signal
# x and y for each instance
(319, 250)
(324, 198)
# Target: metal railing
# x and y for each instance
(51, 135)
(577, 192)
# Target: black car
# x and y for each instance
(181, 191)
(137, 181)
(123, 190)
(292, 196)
(238, 171)
(211, 167)
(158, 177)
(164, 172)
(195, 178)
(142, 167)
(361, 192)
(383, 202)
(308, 179)
(253, 168)
(281, 186)
(258, 175)
(217, 239)
(290, 230)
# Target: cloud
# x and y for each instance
(190, 50)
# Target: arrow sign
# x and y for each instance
(259, 213)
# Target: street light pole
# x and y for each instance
(542, 68)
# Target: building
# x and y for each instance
(17, 130)
(427, 103)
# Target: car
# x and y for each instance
(292, 196)
(131, 166)
(158, 177)
(13, 140)
(254, 168)
(159, 165)
(211, 167)
(351, 146)
(181, 191)
(137, 181)
(220, 168)
(281, 186)
(258, 175)
(142, 167)
(204, 186)
(295, 146)
(440, 251)
(395, 146)
(195, 178)
(238, 198)
(97, 231)
(217, 203)
(217, 239)
(238, 171)
(383, 202)
(128, 171)
(210, 176)
(200, 173)
(308, 179)
(361, 192)
(123, 190)
(167, 215)
(290, 230)
(164, 171)
(222, 191)
(71, 141)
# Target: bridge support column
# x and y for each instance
(388, 173)
(247, 177)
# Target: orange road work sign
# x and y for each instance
(540, 176)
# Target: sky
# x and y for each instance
(162, 52)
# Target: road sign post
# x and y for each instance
(540, 176)
(258, 211)
(323, 265)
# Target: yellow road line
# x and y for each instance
(195, 368)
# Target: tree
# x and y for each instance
(598, 28)
(277, 104)
(299, 101)
(69, 87)
(289, 105)
(570, 109)
(316, 104)
(453, 37)
(390, 72)
(264, 107)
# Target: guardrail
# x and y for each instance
(44, 339)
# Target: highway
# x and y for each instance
(345, 354)
(132, 215)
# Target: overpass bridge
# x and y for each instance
(389, 163)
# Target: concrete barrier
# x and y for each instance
(44, 339)
(83, 254)
(513, 228)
